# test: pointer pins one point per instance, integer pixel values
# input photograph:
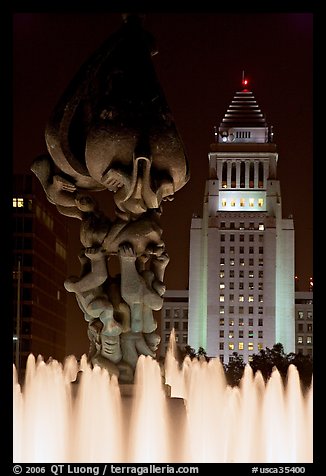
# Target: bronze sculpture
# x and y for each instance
(112, 130)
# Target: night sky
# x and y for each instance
(199, 65)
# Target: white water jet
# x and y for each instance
(203, 419)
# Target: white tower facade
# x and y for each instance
(241, 269)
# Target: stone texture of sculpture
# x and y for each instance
(112, 130)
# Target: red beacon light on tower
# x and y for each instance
(244, 82)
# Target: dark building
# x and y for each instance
(39, 271)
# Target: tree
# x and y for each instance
(234, 369)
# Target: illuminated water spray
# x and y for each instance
(191, 415)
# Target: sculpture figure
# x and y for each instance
(112, 130)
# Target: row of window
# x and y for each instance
(300, 315)
(300, 339)
(232, 226)
(242, 202)
(241, 310)
(181, 339)
(242, 238)
(176, 312)
(177, 326)
(251, 287)
(251, 263)
(230, 334)
(301, 328)
(251, 274)
(240, 346)
(242, 298)
(232, 322)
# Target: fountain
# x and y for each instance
(190, 416)
(113, 131)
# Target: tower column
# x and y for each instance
(229, 165)
(247, 174)
(256, 173)
(266, 167)
(238, 163)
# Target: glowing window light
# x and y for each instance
(260, 202)
(251, 202)
(18, 202)
(240, 346)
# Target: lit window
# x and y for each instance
(223, 202)
(260, 202)
(260, 346)
(250, 346)
(241, 298)
(251, 286)
(241, 226)
(309, 339)
(251, 202)
(221, 274)
(261, 227)
(309, 315)
(261, 262)
(241, 261)
(300, 340)
(231, 261)
(261, 298)
(231, 346)
(232, 203)
(18, 202)
(231, 322)
(221, 309)
(222, 321)
(309, 327)
(231, 334)
(222, 261)
(242, 202)
(241, 321)
(300, 314)
(251, 298)
(222, 285)
(222, 298)
(240, 346)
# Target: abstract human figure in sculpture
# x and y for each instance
(113, 131)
